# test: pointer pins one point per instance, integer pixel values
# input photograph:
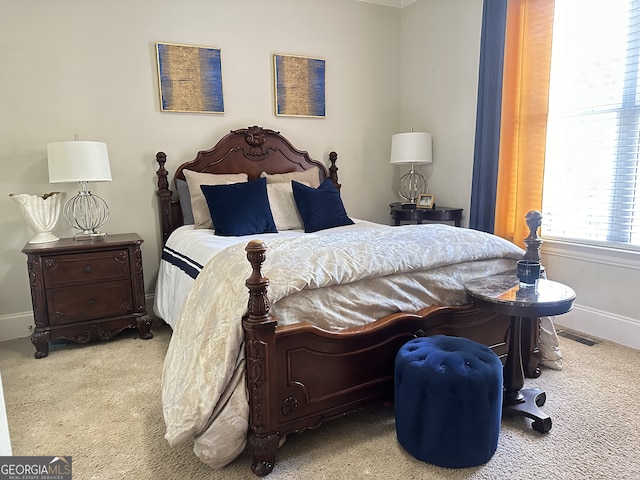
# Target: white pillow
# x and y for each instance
(310, 177)
(201, 215)
(283, 206)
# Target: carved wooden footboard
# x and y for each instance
(298, 376)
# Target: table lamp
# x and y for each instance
(412, 148)
(83, 162)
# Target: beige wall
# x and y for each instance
(440, 57)
(72, 66)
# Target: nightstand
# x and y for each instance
(412, 214)
(86, 290)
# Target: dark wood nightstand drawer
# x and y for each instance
(86, 290)
(84, 302)
(73, 269)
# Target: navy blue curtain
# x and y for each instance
(487, 144)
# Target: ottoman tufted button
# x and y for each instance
(448, 405)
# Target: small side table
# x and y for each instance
(502, 294)
(401, 214)
(86, 290)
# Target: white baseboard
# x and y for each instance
(18, 325)
(600, 324)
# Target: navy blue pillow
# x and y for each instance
(240, 208)
(320, 207)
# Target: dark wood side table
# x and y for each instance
(86, 290)
(503, 294)
(401, 214)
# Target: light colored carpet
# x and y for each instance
(100, 403)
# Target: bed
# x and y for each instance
(309, 342)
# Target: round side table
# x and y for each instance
(503, 294)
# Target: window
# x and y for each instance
(593, 145)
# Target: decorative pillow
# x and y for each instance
(320, 207)
(201, 215)
(310, 176)
(240, 208)
(185, 201)
(283, 206)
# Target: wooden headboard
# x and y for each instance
(250, 150)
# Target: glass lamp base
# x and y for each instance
(90, 236)
(411, 185)
(87, 213)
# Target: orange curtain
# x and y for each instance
(525, 99)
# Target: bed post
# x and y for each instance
(333, 170)
(164, 197)
(260, 347)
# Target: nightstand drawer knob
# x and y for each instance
(87, 269)
(91, 302)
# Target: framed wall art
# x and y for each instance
(190, 78)
(299, 86)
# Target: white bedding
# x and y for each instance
(391, 268)
(188, 249)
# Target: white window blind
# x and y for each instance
(591, 165)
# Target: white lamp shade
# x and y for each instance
(411, 147)
(78, 161)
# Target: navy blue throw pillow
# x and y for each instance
(320, 207)
(240, 208)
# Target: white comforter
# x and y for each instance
(203, 390)
(188, 250)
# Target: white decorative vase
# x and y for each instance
(41, 213)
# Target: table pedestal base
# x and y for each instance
(526, 404)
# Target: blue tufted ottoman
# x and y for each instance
(448, 400)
